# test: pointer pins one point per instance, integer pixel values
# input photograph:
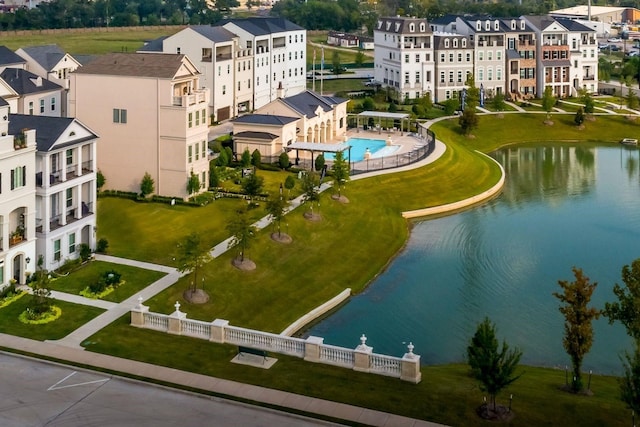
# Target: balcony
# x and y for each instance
(222, 57)
(87, 167)
(55, 221)
(196, 97)
(589, 77)
(16, 238)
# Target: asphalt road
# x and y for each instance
(37, 393)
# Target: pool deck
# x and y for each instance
(406, 141)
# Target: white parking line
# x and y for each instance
(55, 386)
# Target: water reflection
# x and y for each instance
(562, 206)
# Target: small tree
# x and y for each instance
(578, 330)
(319, 162)
(359, 59)
(627, 309)
(102, 246)
(41, 300)
(450, 106)
(85, 252)
(256, 158)
(337, 66)
(587, 99)
(276, 206)
(242, 233)
(468, 120)
(245, 160)
(548, 101)
(214, 179)
(193, 254)
(193, 183)
(310, 183)
(340, 170)
(631, 98)
(368, 104)
(146, 185)
(497, 102)
(100, 180)
(393, 108)
(223, 159)
(494, 368)
(289, 183)
(630, 381)
(252, 185)
(283, 160)
(578, 119)
(230, 156)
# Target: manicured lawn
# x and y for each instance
(73, 316)
(338, 85)
(446, 394)
(135, 279)
(272, 181)
(93, 43)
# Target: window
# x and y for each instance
(442, 57)
(417, 76)
(190, 119)
(406, 59)
(441, 76)
(451, 57)
(119, 115)
(197, 150)
(455, 42)
(412, 28)
(204, 116)
(228, 68)
(203, 181)
(499, 55)
(219, 69)
(499, 73)
(459, 77)
(446, 43)
(417, 57)
(31, 108)
(584, 53)
(197, 117)
(459, 56)
(42, 106)
(190, 154)
(450, 76)
(428, 79)
(480, 55)
(18, 177)
(56, 250)
(406, 77)
(480, 74)
(464, 42)
(427, 57)
(490, 56)
(1, 273)
(178, 50)
(69, 156)
(69, 197)
(53, 104)
(490, 74)
(224, 89)
(204, 149)
(468, 57)
(72, 243)
(206, 54)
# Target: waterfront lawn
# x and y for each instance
(272, 182)
(135, 279)
(151, 231)
(73, 316)
(447, 394)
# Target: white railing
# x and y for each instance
(337, 355)
(264, 341)
(159, 322)
(196, 328)
(385, 365)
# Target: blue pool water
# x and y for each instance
(377, 147)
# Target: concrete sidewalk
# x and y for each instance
(267, 396)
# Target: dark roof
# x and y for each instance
(400, 25)
(24, 82)
(47, 56)
(507, 25)
(3, 102)
(573, 25)
(48, 129)
(265, 119)
(512, 54)
(444, 19)
(9, 57)
(307, 102)
(259, 26)
(256, 135)
(162, 65)
(540, 22)
(155, 45)
(471, 20)
(84, 59)
(215, 34)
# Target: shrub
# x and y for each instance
(223, 159)
(106, 279)
(229, 152)
(246, 158)
(256, 158)
(214, 180)
(85, 252)
(283, 160)
(70, 264)
(319, 162)
(102, 245)
(146, 185)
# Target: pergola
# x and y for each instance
(321, 147)
(384, 115)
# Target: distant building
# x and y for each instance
(31, 94)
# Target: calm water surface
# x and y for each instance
(561, 207)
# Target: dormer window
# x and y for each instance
(379, 24)
(388, 25)
(513, 24)
(412, 28)
(446, 43)
(397, 26)
(478, 26)
(422, 28)
(496, 25)
(487, 25)
(522, 25)
(464, 42)
(455, 42)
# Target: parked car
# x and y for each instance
(614, 40)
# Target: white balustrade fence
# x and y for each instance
(312, 349)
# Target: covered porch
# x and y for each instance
(377, 117)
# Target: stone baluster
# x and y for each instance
(217, 330)
(410, 366)
(362, 355)
(175, 320)
(137, 314)
(312, 349)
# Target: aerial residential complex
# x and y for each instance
(517, 57)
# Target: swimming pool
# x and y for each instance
(377, 148)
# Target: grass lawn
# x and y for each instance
(135, 279)
(446, 394)
(91, 43)
(338, 85)
(73, 316)
(272, 181)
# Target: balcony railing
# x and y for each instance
(197, 97)
(87, 167)
(223, 57)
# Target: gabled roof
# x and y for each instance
(47, 56)
(154, 45)
(259, 26)
(9, 57)
(216, 34)
(471, 21)
(573, 25)
(265, 119)
(25, 82)
(306, 103)
(256, 135)
(49, 130)
(444, 19)
(540, 22)
(161, 65)
(402, 25)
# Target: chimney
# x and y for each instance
(280, 91)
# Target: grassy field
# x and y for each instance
(135, 279)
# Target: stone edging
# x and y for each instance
(462, 203)
(317, 312)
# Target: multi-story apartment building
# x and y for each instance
(17, 201)
(567, 55)
(65, 182)
(521, 59)
(31, 94)
(278, 48)
(453, 54)
(151, 114)
(404, 56)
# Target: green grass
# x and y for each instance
(446, 394)
(73, 316)
(135, 279)
(91, 43)
(338, 85)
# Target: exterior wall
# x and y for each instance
(244, 81)
(521, 72)
(162, 122)
(17, 207)
(585, 66)
(453, 62)
(41, 104)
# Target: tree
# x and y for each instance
(497, 102)
(246, 158)
(335, 60)
(627, 309)
(492, 367)
(340, 169)
(630, 381)
(193, 254)
(319, 162)
(41, 300)
(193, 183)
(276, 208)
(548, 101)
(223, 159)
(310, 184)
(631, 98)
(289, 183)
(214, 179)
(468, 120)
(367, 104)
(256, 158)
(100, 180)
(587, 99)
(359, 59)
(146, 185)
(579, 117)
(283, 160)
(242, 233)
(450, 106)
(393, 108)
(578, 330)
(252, 185)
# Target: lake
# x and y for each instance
(562, 206)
